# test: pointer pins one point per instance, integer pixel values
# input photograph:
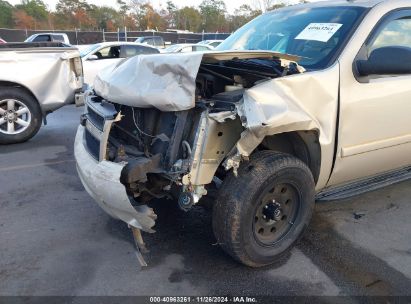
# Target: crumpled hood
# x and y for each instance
(164, 81)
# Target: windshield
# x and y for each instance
(88, 50)
(172, 49)
(316, 34)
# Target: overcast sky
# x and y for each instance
(231, 4)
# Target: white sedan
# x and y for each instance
(187, 48)
(98, 56)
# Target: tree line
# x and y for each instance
(209, 16)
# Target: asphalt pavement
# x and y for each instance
(54, 240)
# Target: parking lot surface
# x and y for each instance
(54, 240)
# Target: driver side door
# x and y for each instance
(375, 113)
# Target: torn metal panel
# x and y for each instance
(166, 82)
(307, 101)
(102, 182)
(53, 75)
(213, 142)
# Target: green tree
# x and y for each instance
(172, 15)
(124, 8)
(213, 13)
(241, 16)
(75, 13)
(189, 18)
(147, 17)
(6, 14)
(34, 8)
(276, 6)
(71, 6)
(106, 17)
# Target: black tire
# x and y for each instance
(236, 213)
(23, 97)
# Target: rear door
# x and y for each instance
(375, 116)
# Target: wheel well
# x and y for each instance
(16, 85)
(304, 145)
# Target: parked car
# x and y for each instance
(49, 37)
(155, 41)
(2, 41)
(269, 132)
(35, 80)
(187, 48)
(98, 56)
(212, 43)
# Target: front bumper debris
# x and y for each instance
(80, 99)
(102, 182)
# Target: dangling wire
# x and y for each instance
(141, 131)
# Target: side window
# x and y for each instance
(200, 48)
(149, 41)
(59, 38)
(108, 53)
(395, 33)
(42, 38)
(374, 60)
(158, 41)
(128, 51)
(186, 49)
(148, 50)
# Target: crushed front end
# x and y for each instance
(129, 153)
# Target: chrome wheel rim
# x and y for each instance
(15, 116)
(275, 214)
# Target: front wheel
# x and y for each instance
(20, 115)
(261, 213)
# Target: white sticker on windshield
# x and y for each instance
(319, 31)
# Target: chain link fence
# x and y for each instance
(78, 37)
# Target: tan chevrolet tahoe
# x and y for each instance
(310, 102)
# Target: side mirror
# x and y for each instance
(390, 60)
(93, 57)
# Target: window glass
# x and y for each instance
(129, 51)
(172, 49)
(395, 33)
(158, 41)
(148, 50)
(42, 38)
(316, 34)
(108, 53)
(149, 41)
(89, 49)
(200, 48)
(187, 49)
(58, 38)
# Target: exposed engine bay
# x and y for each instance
(179, 154)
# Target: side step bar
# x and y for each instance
(364, 185)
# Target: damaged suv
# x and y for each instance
(269, 132)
